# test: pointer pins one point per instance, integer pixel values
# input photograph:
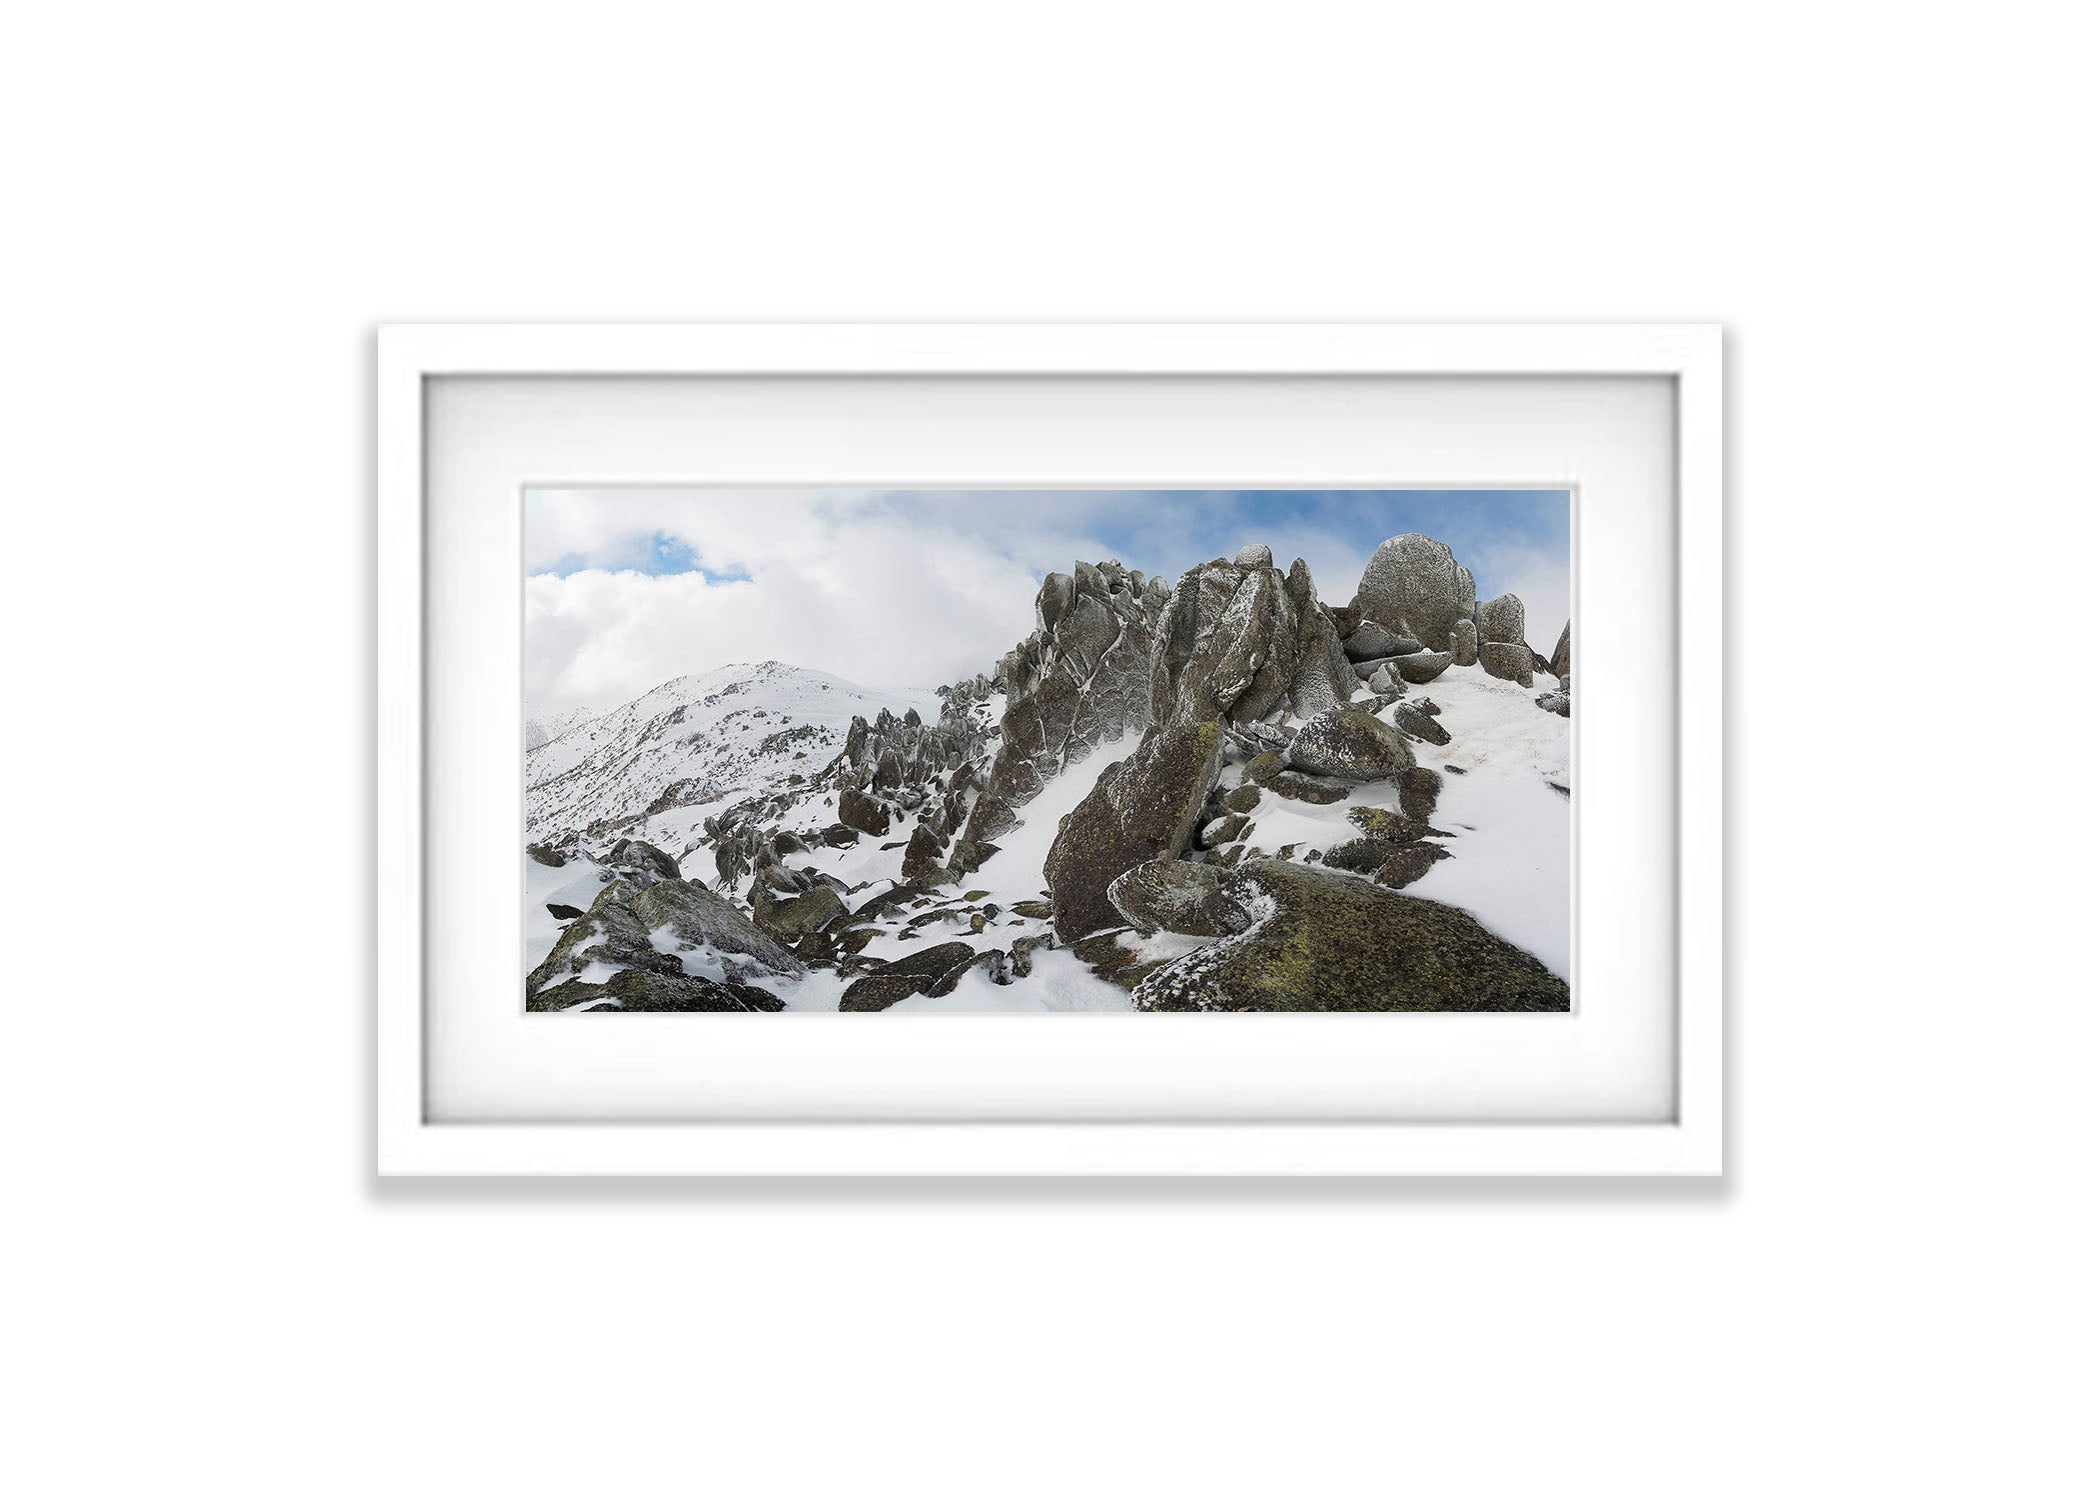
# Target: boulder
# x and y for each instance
(1350, 744)
(609, 934)
(1563, 659)
(1221, 831)
(814, 910)
(1555, 703)
(700, 917)
(1144, 808)
(1384, 823)
(1423, 666)
(1297, 786)
(1409, 864)
(1253, 555)
(996, 963)
(634, 854)
(1415, 724)
(1361, 855)
(1372, 640)
(922, 856)
(1175, 895)
(638, 989)
(563, 912)
(1419, 788)
(1322, 940)
(1321, 678)
(912, 975)
(1243, 798)
(1510, 661)
(860, 811)
(1501, 620)
(1465, 644)
(541, 854)
(1413, 586)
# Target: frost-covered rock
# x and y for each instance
(642, 859)
(1413, 722)
(1510, 661)
(1144, 808)
(1175, 895)
(1322, 940)
(542, 854)
(698, 916)
(1254, 555)
(816, 909)
(646, 990)
(922, 855)
(1555, 703)
(1563, 659)
(1414, 586)
(1465, 644)
(1502, 619)
(1409, 864)
(1350, 744)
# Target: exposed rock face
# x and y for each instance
(641, 989)
(1081, 680)
(1414, 586)
(1465, 644)
(1502, 619)
(541, 854)
(1350, 744)
(1144, 808)
(860, 811)
(1240, 644)
(1563, 659)
(1175, 896)
(1507, 660)
(912, 975)
(1322, 940)
(922, 856)
(814, 910)
(698, 916)
(609, 933)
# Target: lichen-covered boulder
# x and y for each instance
(1413, 586)
(815, 910)
(1508, 660)
(1501, 619)
(1297, 786)
(698, 916)
(609, 934)
(1321, 940)
(911, 975)
(1175, 895)
(859, 810)
(1253, 555)
(1465, 644)
(1350, 744)
(1419, 788)
(1384, 823)
(1409, 864)
(1363, 855)
(1563, 658)
(542, 854)
(1144, 808)
(1243, 798)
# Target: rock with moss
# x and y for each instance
(609, 935)
(698, 916)
(812, 910)
(1301, 786)
(1384, 823)
(1243, 798)
(1409, 864)
(643, 990)
(1350, 744)
(1419, 788)
(1510, 661)
(1144, 808)
(912, 975)
(1322, 940)
(1362, 855)
(1175, 895)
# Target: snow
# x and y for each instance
(574, 884)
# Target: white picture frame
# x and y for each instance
(1687, 1140)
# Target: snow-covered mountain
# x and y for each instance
(1203, 794)
(703, 740)
(539, 730)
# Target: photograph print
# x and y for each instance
(918, 751)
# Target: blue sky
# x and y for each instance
(908, 588)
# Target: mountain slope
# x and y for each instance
(701, 739)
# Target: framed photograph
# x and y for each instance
(1050, 749)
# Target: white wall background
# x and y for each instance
(209, 207)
